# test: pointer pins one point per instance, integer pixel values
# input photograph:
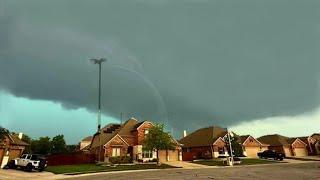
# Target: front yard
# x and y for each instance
(244, 161)
(91, 168)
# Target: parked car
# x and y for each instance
(271, 154)
(29, 162)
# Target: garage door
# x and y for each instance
(300, 152)
(252, 151)
(287, 152)
(162, 156)
(173, 155)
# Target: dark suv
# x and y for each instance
(271, 154)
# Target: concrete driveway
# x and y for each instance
(19, 174)
(186, 165)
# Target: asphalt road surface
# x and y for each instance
(285, 171)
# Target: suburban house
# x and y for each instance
(127, 140)
(204, 143)
(11, 147)
(316, 136)
(85, 143)
(287, 146)
(311, 144)
(251, 146)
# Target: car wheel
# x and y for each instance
(29, 167)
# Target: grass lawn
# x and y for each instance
(91, 168)
(245, 161)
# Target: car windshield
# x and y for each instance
(34, 157)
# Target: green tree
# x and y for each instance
(3, 132)
(28, 140)
(235, 144)
(72, 148)
(157, 140)
(41, 146)
(58, 144)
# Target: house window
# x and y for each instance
(146, 131)
(147, 154)
(221, 150)
(116, 151)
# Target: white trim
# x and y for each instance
(143, 123)
(115, 137)
(217, 140)
(300, 141)
(253, 138)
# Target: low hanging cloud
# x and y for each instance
(192, 66)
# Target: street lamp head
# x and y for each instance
(97, 61)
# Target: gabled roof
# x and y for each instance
(242, 139)
(89, 138)
(14, 139)
(111, 130)
(276, 140)
(203, 137)
(316, 136)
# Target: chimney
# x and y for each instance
(184, 133)
(20, 135)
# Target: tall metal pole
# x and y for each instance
(99, 112)
(99, 62)
(231, 153)
(99, 101)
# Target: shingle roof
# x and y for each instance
(316, 136)
(242, 139)
(276, 140)
(89, 138)
(203, 137)
(111, 130)
(16, 141)
(304, 139)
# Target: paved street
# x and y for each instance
(293, 170)
(275, 171)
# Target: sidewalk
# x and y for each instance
(186, 165)
(19, 174)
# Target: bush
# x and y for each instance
(153, 160)
(120, 160)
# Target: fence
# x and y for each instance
(69, 159)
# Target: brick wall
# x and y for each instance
(141, 132)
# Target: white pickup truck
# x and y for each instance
(29, 162)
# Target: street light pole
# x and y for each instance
(99, 62)
(231, 153)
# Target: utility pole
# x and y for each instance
(121, 118)
(231, 153)
(99, 62)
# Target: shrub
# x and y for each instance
(153, 160)
(120, 160)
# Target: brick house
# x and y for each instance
(251, 146)
(316, 136)
(204, 143)
(127, 140)
(288, 146)
(11, 147)
(311, 144)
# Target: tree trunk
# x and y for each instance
(158, 162)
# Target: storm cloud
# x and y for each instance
(187, 63)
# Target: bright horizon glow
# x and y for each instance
(293, 126)
(38, 118)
